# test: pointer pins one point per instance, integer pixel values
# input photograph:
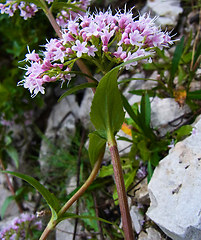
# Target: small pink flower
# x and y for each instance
(136, 38)
(106, 35)
(91, 50)
(80, 48)
(73, 27)
(32, 56)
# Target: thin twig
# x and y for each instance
(51, 225)
(97, 215)
(78, 180)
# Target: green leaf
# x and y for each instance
(176, 57)
(120, 138)
(72, 215)
(187, 57)
(183, 132)
(67, 6)
(129, 110)
(50, 198)
(144, 151)
(131, 79)
(194, 95)
(188, 44)
(155, 159)
(197, 53)
(107, 113)
(106, 171)
(96, 147)
(12, 152)
(129, 178)
(149, 171)
(3, 92)
(145, 109)
(140, 92)
(77, 88)
(89, 204)
(5, 205)
(8, 140)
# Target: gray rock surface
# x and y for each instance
(85, 109)
(12, 209)
(150, 234)
(167, 12)
(166, 114)
(136, 218)
(175, 190)
(61, 125)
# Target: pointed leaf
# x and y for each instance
(177, 56)
(155, 159)
(5, 205)
(107, 113)
(129, 110)
(50, 198)
(12, 152)
(72, 215)
(140, 92)
(145, 109)
(183, 131)
(63, 5)
(106, 171)
(197, 53)
(149, 171)
(96, 147)
(194, 95)
(77, 88)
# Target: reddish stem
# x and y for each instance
(121, 191)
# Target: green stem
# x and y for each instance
(52, 224)
(121, 191)
(84, 187)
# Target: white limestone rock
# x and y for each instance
(166, 11)
(65, 230)
(85, 109)
(136, 218)
(141, 193)
(175, 190)
(12, 209)
(166, 114)
(61, 125)
(152, 234)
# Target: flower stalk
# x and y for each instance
(121, 191)
(52, 224)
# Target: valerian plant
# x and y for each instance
(109, 42)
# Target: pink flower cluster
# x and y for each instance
(117, 37)
(65, 15)
(27, 10)
(36, 74)
(20, 225)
